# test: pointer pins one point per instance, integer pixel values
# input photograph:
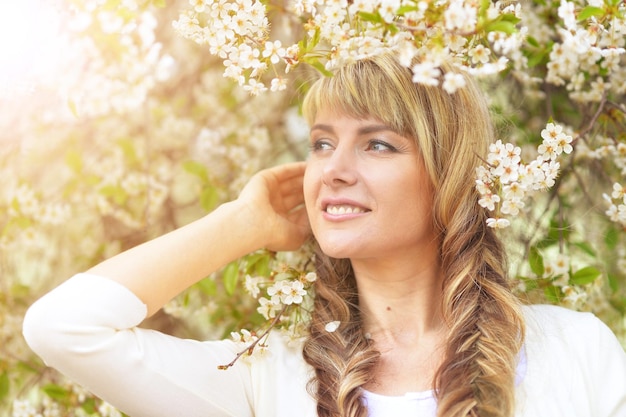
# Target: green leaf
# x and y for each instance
(209, 198)
(405, 9)
(585, 276)
(72, 105)
(74, 160)
(89, 406)
(546, 242)
(308, 43)
(258, 264)
(536, 261)
(505, 23)
(529, 283)
(393, 29)
(586, 247)
(484, 6)
(590, 11)
(263, 266)
(128, 149)
(207, 286)
(303, 43)
(20, 291)
(22, 222)
(197, 169)
(532, 41)
(619, 303)
(552, 293)
(56, 392)
(230, 277)
(613, 283)
(556, 233)
(509, 17)
(115, 192)
(315, 39)
(611, 237)
(371, 17)
(5, 385)
(501, 26)
(315, 63)
(283, 275)
(536, 58)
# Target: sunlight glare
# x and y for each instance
(29, 43)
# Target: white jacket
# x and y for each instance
(571, 364)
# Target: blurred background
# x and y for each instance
(115, 128)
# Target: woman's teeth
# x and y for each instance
(343, 209)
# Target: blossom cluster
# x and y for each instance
(23, 209)
(285, 291)
(610, 150)
(584, 48)
(71, 394)
(285, 305)
(424, 34)
(589, 52)
(557, 270)
(617, 204)
(109, 84)
(236, 32)
(505, 181)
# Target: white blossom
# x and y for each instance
(332, 326)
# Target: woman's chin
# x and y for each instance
(338, 251)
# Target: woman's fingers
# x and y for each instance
(275, 204)
(290, 170)
(288, 222)
(288, 175)
(292, 201)
(284, 184)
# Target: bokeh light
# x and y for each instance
(30, 44)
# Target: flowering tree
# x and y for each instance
(147, 114)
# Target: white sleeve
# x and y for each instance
(86, 329)
(606, 364)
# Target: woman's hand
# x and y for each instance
(273, 205)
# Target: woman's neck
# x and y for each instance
(399, 301)
(401, 311)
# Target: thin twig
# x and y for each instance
(249, 349)
(592, 121)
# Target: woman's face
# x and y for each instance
(366, 190)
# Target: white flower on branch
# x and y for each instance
(505, 182)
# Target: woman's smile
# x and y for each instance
(342, 209)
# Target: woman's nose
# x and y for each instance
(340, 168)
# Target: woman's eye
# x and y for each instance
(379, 146)
(320, 145)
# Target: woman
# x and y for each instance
(406, 265)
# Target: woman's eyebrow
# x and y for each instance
(374, 129)
(325, 128)
(361, 131)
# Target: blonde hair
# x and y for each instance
(485, 326)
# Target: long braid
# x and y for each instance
(342, 359)
(483, 316)
(478, 374)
